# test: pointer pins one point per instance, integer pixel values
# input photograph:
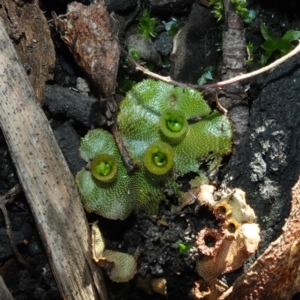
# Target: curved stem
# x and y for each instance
(216, 85)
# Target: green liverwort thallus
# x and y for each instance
(154, 127)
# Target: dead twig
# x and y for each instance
(219, 84)
(6, 199)
(123, 150)
(222, 108)
(133, 17)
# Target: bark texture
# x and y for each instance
(266, 165)
(91, 35)
(46, 181)
(234, 62)
(28, 28)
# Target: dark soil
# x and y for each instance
(266, 165)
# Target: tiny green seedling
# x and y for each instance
(208, 74)
(166, 62)
(184, 247)
(240, 6)
(248, 15)
(273, 44)
(147, 25)
(133, 53)
(217, 9)
(173, 27)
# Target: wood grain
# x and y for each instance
(46, 181)
(27, 26)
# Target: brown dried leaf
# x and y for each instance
(91, 35)
(26, 25)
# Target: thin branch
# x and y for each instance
(220, 84)
(123, 149)
(8, 198)
(133, 17)
(219, 105)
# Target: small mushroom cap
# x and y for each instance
(209, 241)
(159, 285)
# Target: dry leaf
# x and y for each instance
(91, 35)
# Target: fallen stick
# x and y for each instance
(46, 181)
(8, 198)
(4, 292)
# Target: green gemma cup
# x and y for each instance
(104, 168)
(173, 125)
(159, 158)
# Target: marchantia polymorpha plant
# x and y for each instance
(153, 122)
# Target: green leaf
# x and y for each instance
(147, 25)
(291, 35)
(217, 9)
(250, 47)
(264, 57)
(241, 8)
(139, 116)
(266, 33)
(251, 15)
(207, 75)
(284, 47)
(270, 45)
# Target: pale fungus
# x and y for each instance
(227, 248)
(119, 266)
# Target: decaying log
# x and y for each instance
(46, 181)
(27, 26)
(276, 273)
